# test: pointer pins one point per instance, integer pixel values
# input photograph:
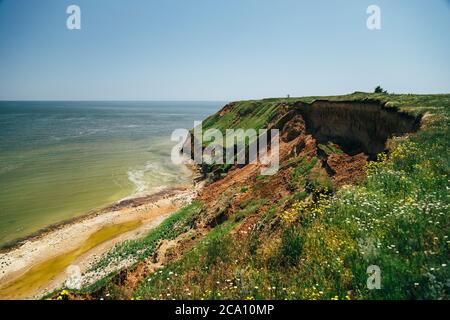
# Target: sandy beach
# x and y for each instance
(38, 265)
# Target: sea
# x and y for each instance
(61, 159)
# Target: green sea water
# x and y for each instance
(58, 160)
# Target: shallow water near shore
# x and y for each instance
(59, 160)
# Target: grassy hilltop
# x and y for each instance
(309, 232)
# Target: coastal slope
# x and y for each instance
(362, 186)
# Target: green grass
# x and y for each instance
(330, 148)
(248, 207)
(243, 189)
(398, 220)
(177, 280)
(243, 115)
(301, 171)
(291, 246)
(140, 249)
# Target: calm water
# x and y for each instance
(61, 159)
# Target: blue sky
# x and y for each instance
(220, 49)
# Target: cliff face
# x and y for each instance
(356, 126)
(342, 134)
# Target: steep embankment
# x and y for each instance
(311, 230)
(354, 125)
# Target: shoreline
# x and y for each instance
(19, 259)
(17, 243)
(117, 205)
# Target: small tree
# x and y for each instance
(379, 89)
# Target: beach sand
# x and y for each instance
(36, 266)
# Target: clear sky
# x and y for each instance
(220, 49)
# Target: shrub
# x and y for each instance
(379, 89)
